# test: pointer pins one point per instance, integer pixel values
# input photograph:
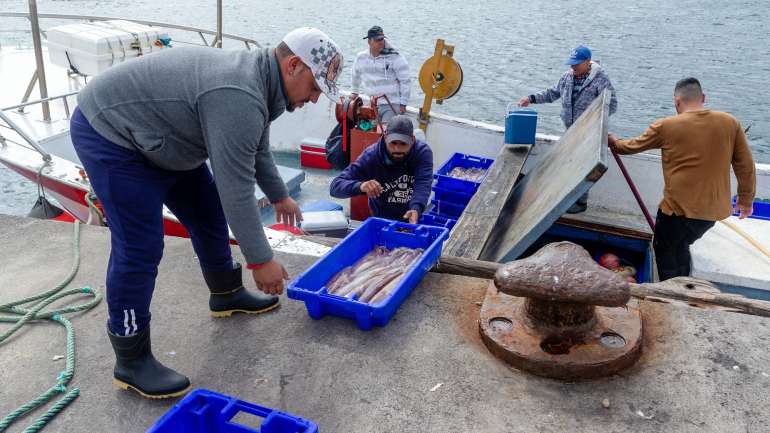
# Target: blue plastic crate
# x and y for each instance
(465, 161)
(447, 209)
(310, 286)
(430, 219)
(761, 210)
(203, 411)
(456, 197)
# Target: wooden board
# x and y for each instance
(564, 174)
(474, 227)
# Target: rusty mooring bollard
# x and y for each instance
(559, 314)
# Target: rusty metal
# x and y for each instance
(559, 314)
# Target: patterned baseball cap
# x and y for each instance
(321, 54)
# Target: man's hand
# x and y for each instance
(403, 109)
(412, 216)
(269, 277)
(372, 188)
(524, 101)
(744, 211)
(287, 212)
(611, 141)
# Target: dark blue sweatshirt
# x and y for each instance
(406, 184)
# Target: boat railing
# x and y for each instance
(39, 75)
(19, 130)
(202, 33)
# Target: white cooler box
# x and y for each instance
(91, 48)
(327, 223)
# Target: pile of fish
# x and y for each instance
(373, 278)
(473, 174)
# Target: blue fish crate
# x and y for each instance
(430, 219)
(310, 286)
(203, 411)
(448, 195)
(446, 209)
(443, 180)
(761, 210)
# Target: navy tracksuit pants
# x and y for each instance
(132, 192)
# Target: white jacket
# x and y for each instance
(387, 73)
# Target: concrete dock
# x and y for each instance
(427, 371)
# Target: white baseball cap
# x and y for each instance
(319, 53)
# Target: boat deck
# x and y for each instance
(700, 370)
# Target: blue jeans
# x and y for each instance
(132, 192)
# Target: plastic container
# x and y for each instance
(328, 223)
(446, 209)
(443, 180)
(310, 286)
(520, 126)
(320, 205)
(761, 210)
(312, 153)
(456, 197)
(430, 219)
(203, 411)
(91, 48)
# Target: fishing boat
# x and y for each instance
(506, 225)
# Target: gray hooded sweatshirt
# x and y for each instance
(182, 106)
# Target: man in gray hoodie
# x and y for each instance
(577, 88)
(144, 130)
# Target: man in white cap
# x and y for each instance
(144, 130)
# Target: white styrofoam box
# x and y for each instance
(324, 222)
(311, 142)
(93, 47)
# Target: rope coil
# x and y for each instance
(34, 313)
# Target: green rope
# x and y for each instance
(34, 313)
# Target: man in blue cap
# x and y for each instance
(577, 88)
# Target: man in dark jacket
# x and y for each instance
(144, 129)
(396, 173)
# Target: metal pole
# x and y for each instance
(33, 18)
(26, 137)
(219, 24)
(637, 196)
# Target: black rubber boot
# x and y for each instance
(228, 295)
(137, 369)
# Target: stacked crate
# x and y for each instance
(450, 194)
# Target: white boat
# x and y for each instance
(40, 149)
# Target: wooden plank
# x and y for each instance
(476, 224)
(684, 290)
(563, 175)
(566, 220)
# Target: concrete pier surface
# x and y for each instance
(427, 371)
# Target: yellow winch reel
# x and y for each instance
(440, 78)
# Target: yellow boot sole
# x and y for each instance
(228, 313)
(123, 385)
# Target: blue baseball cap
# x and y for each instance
(580, 54)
